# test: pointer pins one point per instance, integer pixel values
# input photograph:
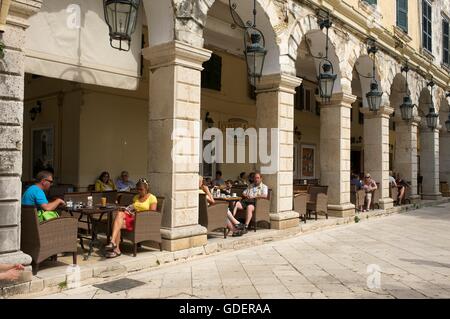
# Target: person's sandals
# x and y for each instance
(237, 233)
(240, 226)
(245, 229)
(112, 254)
(110, 247)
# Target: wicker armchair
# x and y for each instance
(147, 227)
(47, 239)
(318, 201)
(300, 202)
(212, 217)
(261, 213)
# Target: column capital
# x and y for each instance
(176, 53)
(415, 121)
(340, 99)
(385, 111)
(21, 10)
(278, 82)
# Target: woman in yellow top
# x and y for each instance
(125, 217)
(104, 183)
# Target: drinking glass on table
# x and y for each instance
(103, 201)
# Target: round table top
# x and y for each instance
(228, 199)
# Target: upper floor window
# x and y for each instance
(402, 15)
(212, 73)
(445, 41)
(426, 25)
(305, 100)
(374, 2)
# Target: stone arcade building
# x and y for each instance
(182, 34)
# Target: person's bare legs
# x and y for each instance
(236, 207)
(231, 218)
(401, 195)
(117, 227)
(250, 210)
(369, 200)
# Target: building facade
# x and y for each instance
(101, 110)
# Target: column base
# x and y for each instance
(414, 199)
(284, 220)
(174, 239)
(386, 203)
(17, 257)
(437, 196)
(344, 210)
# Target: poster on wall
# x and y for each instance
(42, 150)
(308, 155)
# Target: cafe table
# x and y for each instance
(231, 201)
(94, 216)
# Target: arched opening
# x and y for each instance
(428, 150)
(307, 103)
(404, 161)
(444, 148)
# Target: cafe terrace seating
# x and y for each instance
(212, 217)
(47, 239)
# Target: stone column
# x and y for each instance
(444, 155)
(405, 157)
(335, 153)
(174, 127)
(429, 163)
(11, 130)
(275, 110)
(376, 150)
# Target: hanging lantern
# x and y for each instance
(326, 79)
(255, 53)
(407, 108)
(121, 17)
(374, 97)
(432, 119)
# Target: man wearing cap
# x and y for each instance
(123, 184)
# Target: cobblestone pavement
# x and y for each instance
(411, 251)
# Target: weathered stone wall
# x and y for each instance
(11, 129)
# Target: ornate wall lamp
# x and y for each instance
(254, 44)
(35, 110)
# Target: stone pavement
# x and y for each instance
(411, 251)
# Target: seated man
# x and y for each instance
(123, 184)
(219, 180)
(10, 272)
(256, 190)
(35, 196)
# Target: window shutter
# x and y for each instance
(446, 41)
(426, 25)
(402, 14)
(212, 73)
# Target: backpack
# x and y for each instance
(46, 215)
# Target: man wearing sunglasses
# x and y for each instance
(35, 195)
